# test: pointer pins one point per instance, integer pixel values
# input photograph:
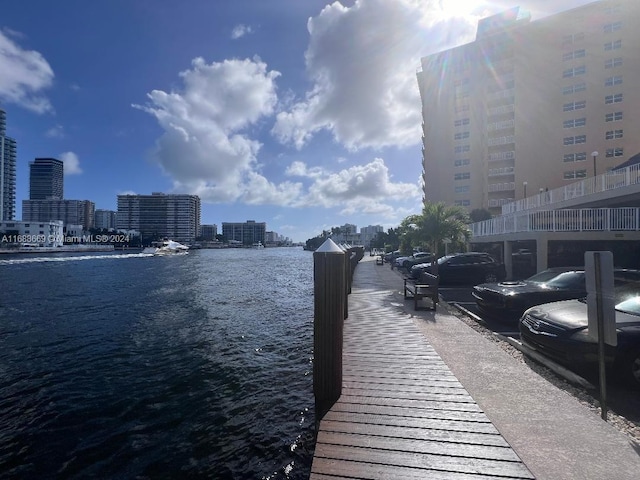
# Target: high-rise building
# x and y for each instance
(105, 219)
(7, 172)
(247, 233)
(531, 105)
(46, 179)
(71, 212)
(158, 216)
(208, 232)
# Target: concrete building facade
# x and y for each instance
(46, 179)
(105, 219)
(531, 106)
(8, 155)
(247, 233)
(75, 212)
(160, 215)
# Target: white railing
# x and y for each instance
(602, 183)
(565, 220)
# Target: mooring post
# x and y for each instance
(328, 324)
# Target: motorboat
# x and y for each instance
(167, 247)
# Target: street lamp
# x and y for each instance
(524, 184)
(594, 155)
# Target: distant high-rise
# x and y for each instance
(159, 216)
(46, 179)
(247, 233)
(71, 212)
(7, 172)
(105, 219)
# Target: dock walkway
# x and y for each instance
(405, 413)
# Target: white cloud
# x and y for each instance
(240, 31)
(362, 61)
(362, 188)
(205, 148)
(25, 73)
(56, 131)
(71, 163)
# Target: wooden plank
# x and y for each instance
(493, 468)
(371, 438)
(326, 469)
(409, 402)
(415, 430)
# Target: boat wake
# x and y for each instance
(15, 261)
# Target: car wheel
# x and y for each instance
(632, 367)
(490, 277)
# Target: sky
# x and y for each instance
(303, 114)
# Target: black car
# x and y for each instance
(559, 330)
(507, 300)
(466, 268)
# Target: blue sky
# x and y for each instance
(302, 114)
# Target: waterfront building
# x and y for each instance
(367, 234)
(8, 149)
(43, 234)
(159, 215)
(76, 212)
(247, 233)
(105, 219)
(46, 179)
(208, 232)
(531, 106)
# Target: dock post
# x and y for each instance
(328, 324)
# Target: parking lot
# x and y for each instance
(622, 399)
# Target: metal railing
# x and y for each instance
(611, 180)
(563, 220)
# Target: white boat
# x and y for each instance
(167, 247)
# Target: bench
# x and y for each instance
(427, 288)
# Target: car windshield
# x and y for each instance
(567, 280)
(630, 305)
(543, 276)
(444, 259)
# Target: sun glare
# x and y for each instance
(460, 8)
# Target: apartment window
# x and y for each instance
(611, 134)
(617, 98)
(569, 107)
(461, 135)
(574, 157)
(614, 152)
(613, 62)
(612, 27)
(575, 140)
(461, 122)
(613, 117)
(574, 38)
(462, 148)
(463, 203)
(611, 81)
(574, 72)
(462, 176)
(575, 54)
(572, 174)
(462, 189)
(462, 162)
(578, 87)
(575, 122)
(612, 45)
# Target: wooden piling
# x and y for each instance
(330, 298)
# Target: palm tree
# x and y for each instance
(438, 222)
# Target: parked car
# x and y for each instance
(416, 258)
(391, 256)
(469, 267)
(508, 300)
(559, 330)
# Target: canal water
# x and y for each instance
(131, 366)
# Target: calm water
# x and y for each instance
(125, 366)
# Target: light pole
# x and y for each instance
(594, 155)
(524, 184)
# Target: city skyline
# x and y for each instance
(137, 97)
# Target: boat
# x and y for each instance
(167, 247)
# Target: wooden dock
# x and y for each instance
(402, 413)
